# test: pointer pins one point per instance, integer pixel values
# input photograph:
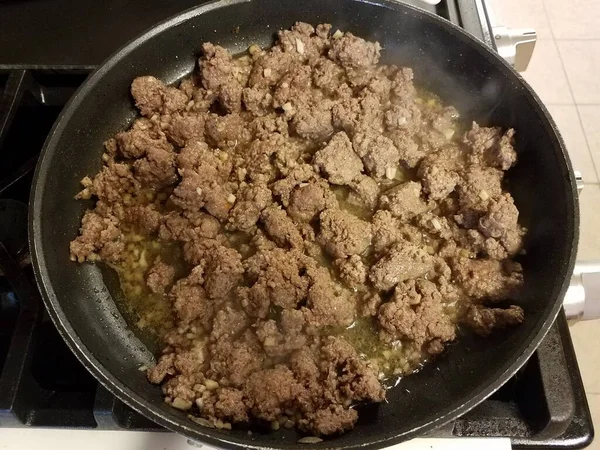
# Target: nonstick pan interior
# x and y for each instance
(80, 298)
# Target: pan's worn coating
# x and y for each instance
(445, 60)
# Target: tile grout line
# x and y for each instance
(562, 64)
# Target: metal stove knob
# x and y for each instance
(515, 45)
(582, 300)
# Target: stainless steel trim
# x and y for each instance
(514, 45)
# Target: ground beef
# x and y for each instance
(156, 169)
(378, 153)
(488, 279)
(484, 320)
(352, 51)
(404, 261)
(343, 234)
(352, 271)
(276, 277)
(153, 97)
(270, 391)
(309, 199)
(136, 142)
(337, 160)
(100, 238)
(223, 272)
(277, 214)
(251, 200)
(186, 128)
(365, 191)
(190, 301)
(327, 302)
(500, 218)
(280, 227)
(224, 75)
(160, 276)
(229, 323)
(491, 146)
(416, 313)
(404, 201)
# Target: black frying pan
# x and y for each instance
(446, 60)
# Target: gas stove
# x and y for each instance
(49, 47)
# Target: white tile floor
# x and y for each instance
(564, 72)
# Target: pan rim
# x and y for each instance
(212, 437)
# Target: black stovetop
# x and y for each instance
(48, 48)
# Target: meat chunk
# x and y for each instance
(227, 131)
(353, 377)
(353, 114)
(232, 363)
(343, 234)
(490, 146)
(378, 153)
(437, 181)
(270, 391)
(313, 121)
(276, 277)
(404, 117)
(279, 341)
(409, 151)
(295, 87)
(365, 191)
(476, 189)
(224, 75)
(153, 97)
(156, 169)
(502, 216)
(309, 199)
(186, 128)
(488, 279)
(252, 199)
(331, 420)
(416, 313)
(230, 405)
(352, 271)
(404, 261)
(284, 187)
(145, 219)
(403, 86)
(484, 320)
(136, 142)
(281, 228)
(303, 41)
(353, 52)
(270, 67)
(404, 201)
(223, 272)
(100, 238)
(229, 324)
(388, 230)
(160, 277)
(190, 301)
(328, 303)
(188, 225)
(337, 161)
(328, 76)
(163, 368)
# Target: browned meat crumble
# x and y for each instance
(300, 225)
